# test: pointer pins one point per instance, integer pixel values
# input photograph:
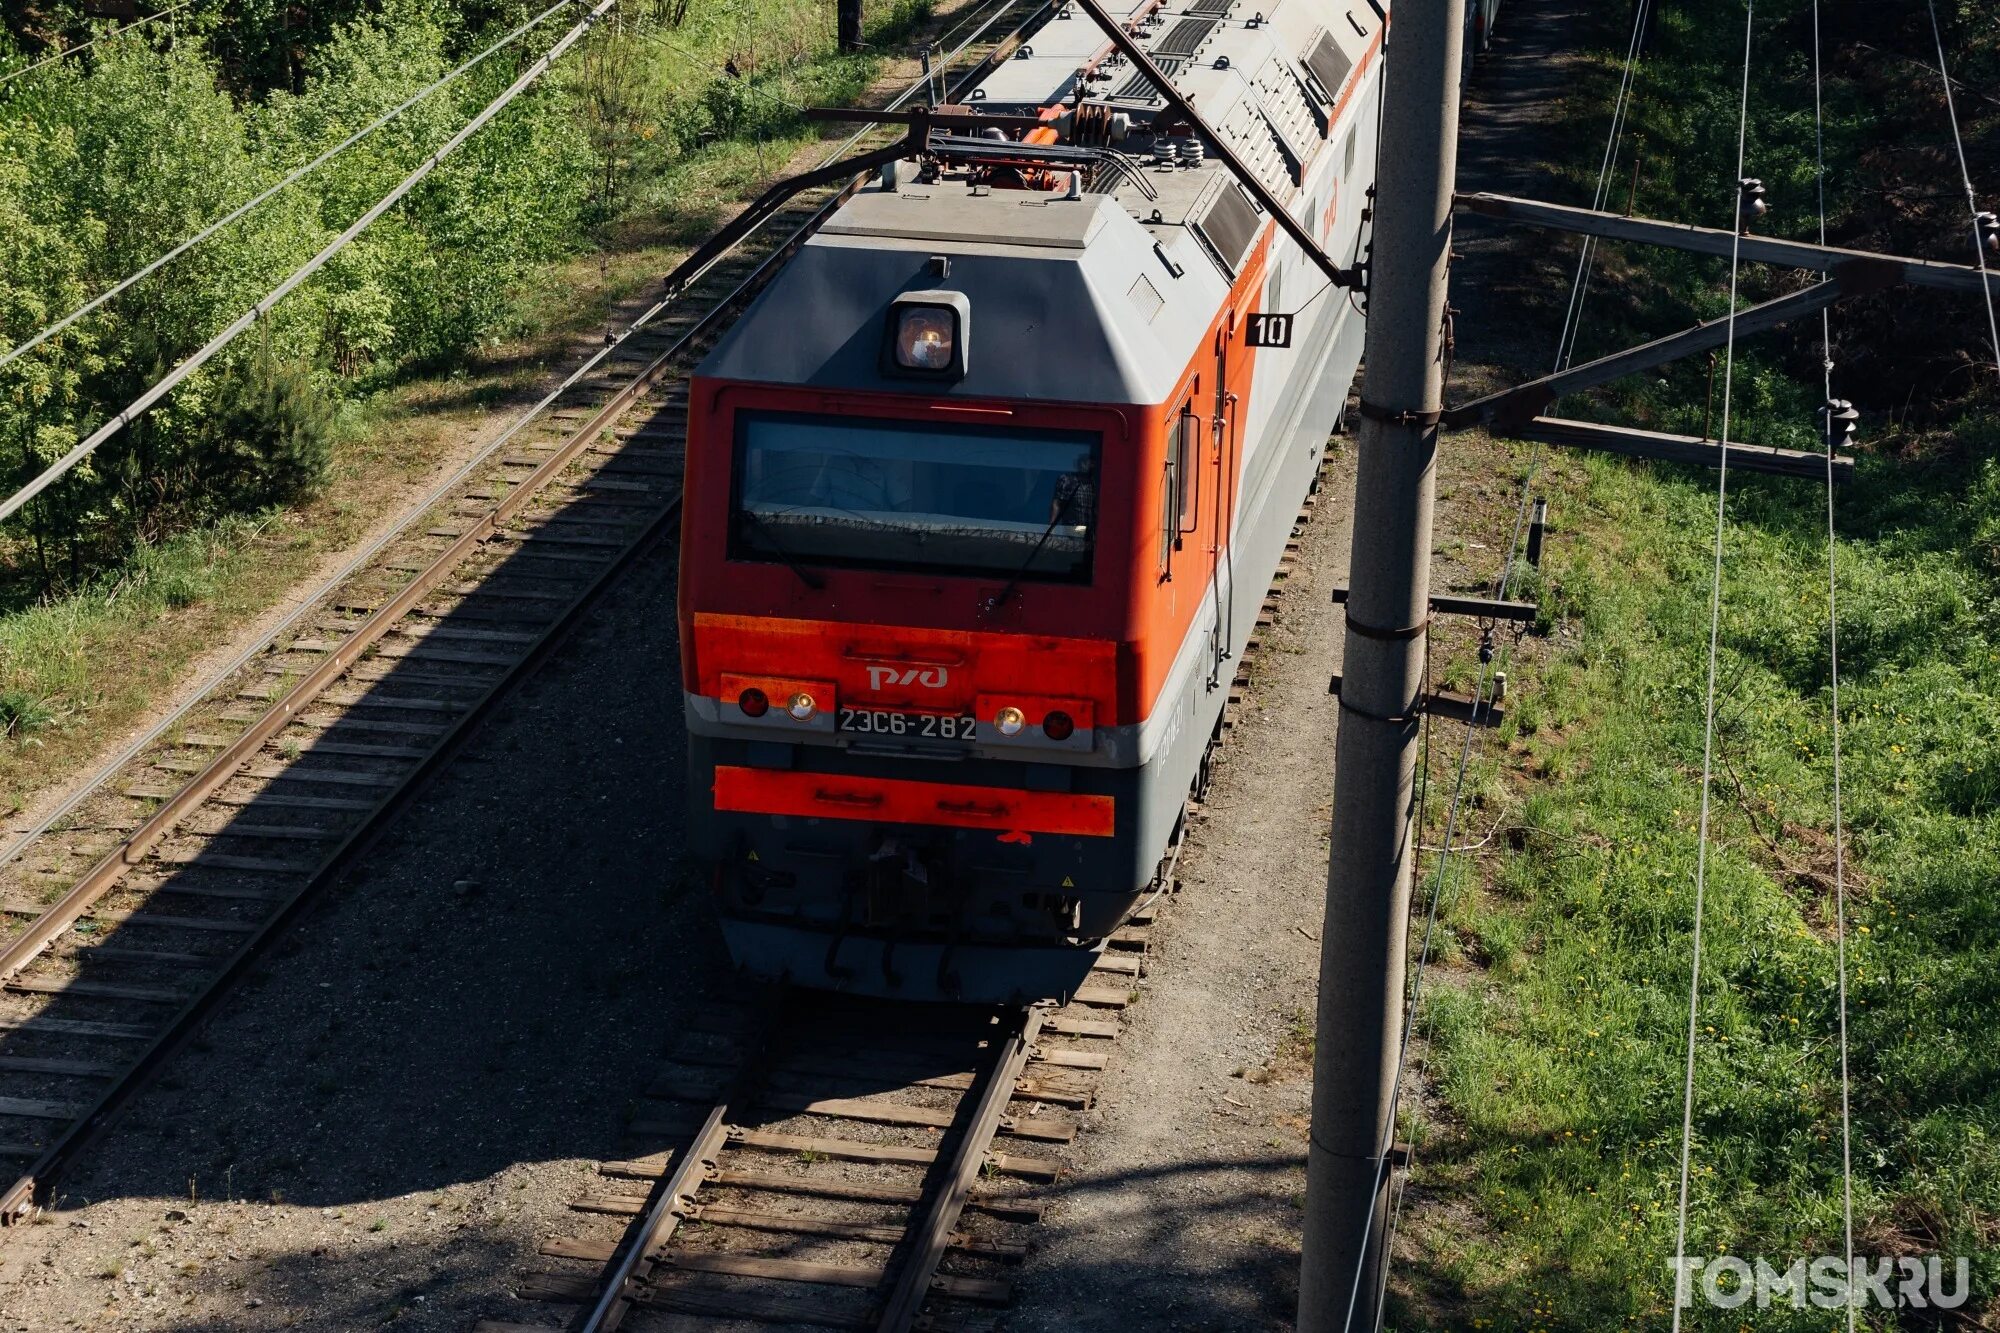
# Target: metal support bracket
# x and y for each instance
(1721, 241)
(1513, 408)
(1517, 411)
(1633, 443)
(1447, 704)
(1483, 607)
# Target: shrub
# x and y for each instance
(21, 713)
(269, 439)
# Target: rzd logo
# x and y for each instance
(931, 678)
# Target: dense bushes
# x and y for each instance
(109, 159)
(269, 439)
(106, 162)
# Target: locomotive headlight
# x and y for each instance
(1010, 721)
(924, 338)
(802, 707)
(927, 335)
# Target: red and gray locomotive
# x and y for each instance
(983, 493)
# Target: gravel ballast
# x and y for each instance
(387, 1119)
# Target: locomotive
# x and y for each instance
(983, 491)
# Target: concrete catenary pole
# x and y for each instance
(1368, 872)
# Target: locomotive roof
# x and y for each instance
(949, 212)
(1084, 312)
(1102, 298)
(1262, 73)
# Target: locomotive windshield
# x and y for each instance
(943, 497)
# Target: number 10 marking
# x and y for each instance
(1269, 331)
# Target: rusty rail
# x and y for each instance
(104, 876)
(932, 1237)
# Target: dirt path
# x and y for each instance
(1183, 1205)
(1508, 282)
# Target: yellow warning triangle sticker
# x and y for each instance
(1068, 883)
(753, 853)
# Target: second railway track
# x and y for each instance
(124, 922)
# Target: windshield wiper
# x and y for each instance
(764, 525)
(1013, 584)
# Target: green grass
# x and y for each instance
(109, 649)
(1562, 1062)
(1546, 1196)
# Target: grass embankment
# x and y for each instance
(1547, 1194)
(680, 145)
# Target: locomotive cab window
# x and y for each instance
(941, 497)
(1178, 483)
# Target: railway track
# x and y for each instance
(122, 924)
(837, 1163)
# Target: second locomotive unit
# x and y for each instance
(983, 492)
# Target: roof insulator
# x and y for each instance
(1751, 205)
(1836, 424)
(1989, 231)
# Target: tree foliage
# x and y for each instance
(113, 156)
(268, 441)
(109, 159)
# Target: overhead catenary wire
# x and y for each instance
(1580, 285)
(139, 406)
(1965, 176)
(1833, 673)
(290, 179)
(68, 51)
(1708, 698)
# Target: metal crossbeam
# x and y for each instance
(1717, 241)
(1483, 607)
(1453, 707)
(1654, 444)
(1515, 407)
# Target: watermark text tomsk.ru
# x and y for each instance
(1825, 1282)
